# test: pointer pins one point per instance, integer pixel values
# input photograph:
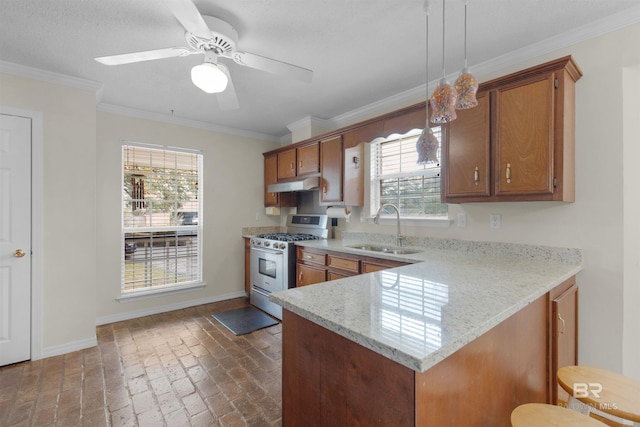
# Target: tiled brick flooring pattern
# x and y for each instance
(181, 368)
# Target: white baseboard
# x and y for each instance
(164, 308)
(69, 347)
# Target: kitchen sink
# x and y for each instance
(385, 249)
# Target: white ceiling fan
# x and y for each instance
(214, 38)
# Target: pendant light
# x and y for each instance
(445, 96)
(466, 84)
(427, 144)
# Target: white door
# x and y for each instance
(15, 239)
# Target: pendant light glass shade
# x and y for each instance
(427, 144)
(427, 147)
(466, 84)
(443, 100)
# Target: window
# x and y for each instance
(397, 178)
(161, 227)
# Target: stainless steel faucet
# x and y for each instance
(399, 239)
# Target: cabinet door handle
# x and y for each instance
(476, 176)
(561, 332)
(300, 277)
(308, 257)
(508, 173)
(292, 165)
(324, 188)
(300, 164)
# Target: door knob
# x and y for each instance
(19, 253)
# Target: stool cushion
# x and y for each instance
(602, 390)
(544, 415)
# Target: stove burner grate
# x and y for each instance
(288, 237)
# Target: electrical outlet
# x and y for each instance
(462, 220)
(258, 216)
(495, 220)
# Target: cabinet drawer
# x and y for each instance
(311, 257)
(343, 263)
(332, 275)
(371, 265)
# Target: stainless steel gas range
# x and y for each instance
(273, 258)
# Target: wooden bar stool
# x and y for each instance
(545, 415)
(604, 393)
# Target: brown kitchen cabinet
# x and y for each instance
(308, 159)
(369, 265)
(308, 275)
(298, 161)
(327, 379)
(518, 144)
(286, 164)
(331, 168)
(564, 334)
(271, 177)
(336, 265)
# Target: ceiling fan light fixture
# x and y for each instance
(209, 77)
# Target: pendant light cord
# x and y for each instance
(426, 89)
(465, 32)
(444, 74)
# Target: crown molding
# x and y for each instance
(412, 96)
(50, 77)
(308, 122)
(141, 114)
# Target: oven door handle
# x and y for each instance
(266, 251)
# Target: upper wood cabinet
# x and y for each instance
(518, 144)
(287, 164)
(331, 168)
(308, 159)
(298, 161)
(271, 177)
(467, 153)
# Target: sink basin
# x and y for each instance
(384, 249)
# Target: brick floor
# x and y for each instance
(181, 368)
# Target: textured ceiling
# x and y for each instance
(361, 51)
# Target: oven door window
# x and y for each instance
(267, 267)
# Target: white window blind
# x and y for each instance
(397, 178)
(161, 206)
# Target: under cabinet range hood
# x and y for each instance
(310, 183)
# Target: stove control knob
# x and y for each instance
(267, 244)
(282, 246)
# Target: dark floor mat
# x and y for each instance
(244, 320)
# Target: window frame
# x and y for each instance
(388, 217)
(169, 288)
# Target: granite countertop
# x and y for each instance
(419, 314)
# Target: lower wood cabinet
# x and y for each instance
(330, 380)
(308, 275)
(315, 265)
(564, 334)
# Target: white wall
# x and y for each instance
(233, 194)
(631, 212)
(594, 223)
(69, 207)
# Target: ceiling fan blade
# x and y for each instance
(148, 55)
(189, 16)
(227, 99)
(272, 66)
